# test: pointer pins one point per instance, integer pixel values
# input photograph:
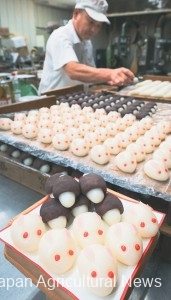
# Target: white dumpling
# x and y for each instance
(57, 257)
(124, 243)
(67, 199)
(97, 266)
(95, 195)
(26, 232)
(79, 147)
(100, 154)
(163, 155)
(88, 229)
(59, 222)
(144, 219)
(156, 170)
(126, 162)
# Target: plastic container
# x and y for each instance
(16, 87)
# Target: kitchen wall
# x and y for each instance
(27, 19)
(24, 18)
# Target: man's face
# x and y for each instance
(85, 26)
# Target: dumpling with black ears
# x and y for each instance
(50, 182)
(54, 214)
(66, 189)
(110, 209)
(82, 205)
(93, 186)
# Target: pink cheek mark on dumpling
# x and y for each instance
(71, 252)
(94, 274)
(137, 247)
(39, 232)
(111, 274)
(25, 235)
(57, 257)
(154, 220)
(100, 232)
(85, 234)
(123, 247)
(142, 224)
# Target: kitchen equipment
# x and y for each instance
(27, 88)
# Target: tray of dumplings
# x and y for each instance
(123, 142)
(101, 246)
(152, 90)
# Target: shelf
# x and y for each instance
(144, 12)
(27, 176)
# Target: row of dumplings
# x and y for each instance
(100, 135)
(156, 88)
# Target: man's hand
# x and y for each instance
(121, 76)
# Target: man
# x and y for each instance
(69, 53)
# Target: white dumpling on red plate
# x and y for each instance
(125, 243)
(144, 219)
(26, 232)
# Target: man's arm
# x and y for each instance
(84, 73)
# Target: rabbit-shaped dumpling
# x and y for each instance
(26, 232)
(98, 267)
(57, 250)
(89, 229)
(124, 242)
(144, 219)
